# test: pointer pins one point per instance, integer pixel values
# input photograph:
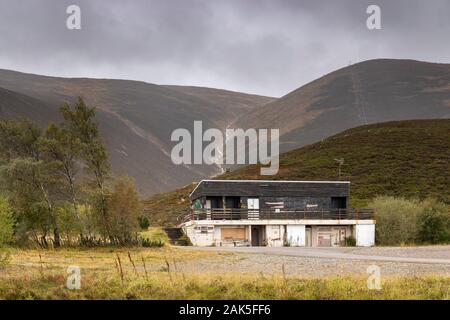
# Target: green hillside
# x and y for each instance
(406, 158)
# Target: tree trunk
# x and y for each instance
(56, 238)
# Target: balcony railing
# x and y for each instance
(281, 214)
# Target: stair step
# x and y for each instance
(175, 236)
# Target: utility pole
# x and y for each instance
(340, 162)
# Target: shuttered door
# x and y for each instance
(233, 233)
(324, 240)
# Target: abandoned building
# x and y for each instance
(276, 213)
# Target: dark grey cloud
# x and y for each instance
(261, 46)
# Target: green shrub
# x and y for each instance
(6, 223)
(396, 220)
(6, 230)
(350, 241)
(144, 223)
(147, 243)
(434, 222)
(401, 221)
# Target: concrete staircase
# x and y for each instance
(176, 237)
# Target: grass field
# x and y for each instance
(153, 274)
(155, 234)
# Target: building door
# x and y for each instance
(335, 238)
(208, 209)
(324, 237)
(217, 204)
(232, 202)
(331, 236)
(308, 237)
(338, 202)
(253, 208)
(257, 236)
(338, 237)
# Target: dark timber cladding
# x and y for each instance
(265, 188)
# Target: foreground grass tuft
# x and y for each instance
(229, 286)
(156, 274)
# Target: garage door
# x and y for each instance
(331, 237)
(233, 233)
(324, 239)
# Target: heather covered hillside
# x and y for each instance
(406, 158)
(368, 92)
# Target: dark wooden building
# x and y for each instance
(271, 194)
(275, 213)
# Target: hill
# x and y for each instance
(405, 158)
(136, 118)
(369, 92)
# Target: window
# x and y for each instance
(338, 202)
(204, 229)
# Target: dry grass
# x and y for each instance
(153, 274)
(101, 259)
(155, 234)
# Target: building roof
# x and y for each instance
(270, 187)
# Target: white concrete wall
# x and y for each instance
(365, 235)
(363, 231)
(217, 236)
(275, 235)
(199, 239)
(295, 235)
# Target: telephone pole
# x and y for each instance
(340, 162)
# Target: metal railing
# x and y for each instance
(281, 214)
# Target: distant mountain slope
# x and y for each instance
(405, 158)
(14, 105)
(368, 92)
(136, 118)
(235, 103)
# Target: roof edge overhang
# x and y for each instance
(266, 181)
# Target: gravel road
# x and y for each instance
(431, 255)
(396, 261)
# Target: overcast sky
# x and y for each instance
(267, 47)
